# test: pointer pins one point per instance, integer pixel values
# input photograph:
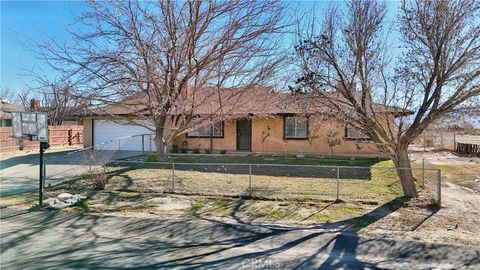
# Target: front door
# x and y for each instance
(244, 134)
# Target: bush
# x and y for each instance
(99, 180)
(174, 149)
(223, 152)
(196, 151)
(207, 151)
(184, 150)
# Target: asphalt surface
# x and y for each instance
(20, 172)
(54, 240)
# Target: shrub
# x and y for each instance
(196, 151)
(174, 149)
(207, 151)
(99, 180)
(223, 152)
(183, 150)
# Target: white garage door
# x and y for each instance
(109, 135)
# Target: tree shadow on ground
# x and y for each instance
(341, 248)
(82, 241)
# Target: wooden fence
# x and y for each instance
(58, 136)
(470, 149)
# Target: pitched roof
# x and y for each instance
(6, 108)
(230, 103)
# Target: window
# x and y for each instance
(355, 133)
(295, 127)
(6, 123)
(205, 131)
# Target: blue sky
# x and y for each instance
(25, 22)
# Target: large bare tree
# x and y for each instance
(434, 68)
(163, 59)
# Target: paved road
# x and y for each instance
(19, 173)
(53, 240)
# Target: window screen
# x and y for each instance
(205, 131)
(355, 133)
(295, 127)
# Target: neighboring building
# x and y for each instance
(258, 120)
(5, 115)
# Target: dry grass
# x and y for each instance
(382, 187)
(467, 176)
(275, 211)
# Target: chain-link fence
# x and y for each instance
(109, 166)
(269, 181)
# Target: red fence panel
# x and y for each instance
(58, 136)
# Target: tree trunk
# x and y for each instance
(160, 139)
(404, 172)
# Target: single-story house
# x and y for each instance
(5, 115)
(258, 120)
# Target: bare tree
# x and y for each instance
(314, 127)
(346, 62)
(163, 60)
(265, 134)
(332, 138)
(58, 99)
(60, 102)
(7, 95)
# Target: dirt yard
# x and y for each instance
(457, 222)
(441, 157)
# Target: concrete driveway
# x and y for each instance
(59, 240)
(20, 172)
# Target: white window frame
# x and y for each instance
(217, 131)
(296, 127)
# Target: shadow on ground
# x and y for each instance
(50, 239)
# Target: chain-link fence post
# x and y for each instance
(423, 173)
(150, 142)
(143, 144)
(338, 183)
(250, 180)
(173, 176)
(454, 141)
(439, 187)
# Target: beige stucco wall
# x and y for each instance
(317, 127)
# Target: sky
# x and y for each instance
(23, 23)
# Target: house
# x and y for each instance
(257, 120)
(5, 115)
